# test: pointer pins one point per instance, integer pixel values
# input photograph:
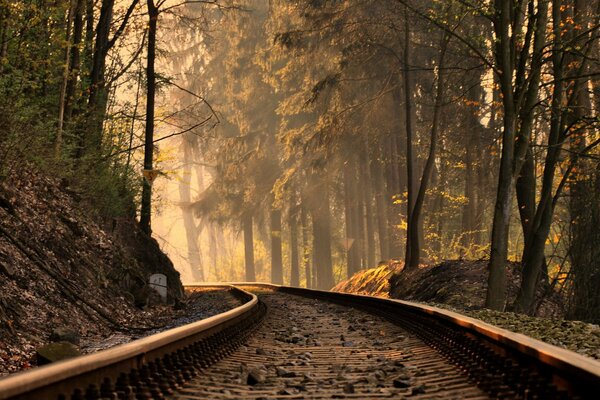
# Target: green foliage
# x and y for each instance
(34, 40)
(29, 58)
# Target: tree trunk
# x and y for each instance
(533, 261)
(360, 242)
(513, 152)
(66, 73)
(467, 215)
(75, 61)
(98, 95)
(412, 240)
(495, 297)
(525, 188)
(321, 222)
(132, 127)
(294, 268)
(276, 253)
(393, 165)
(191, 231)
(469, 209)
(371, 245)
(439, 208)
(306, 256)
(212, 249)
(349, 212)
(381, 207)
(499, 244)
(474, 152)
(584, 190)
(248, 247)
(485, 165)
(414, 222)
(398, 153)
(4, 27)
(524, 161)
(368, 201)
(88, 48)
(585, 245)
(90, 135)
(146, 210)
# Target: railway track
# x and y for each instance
(297, 343)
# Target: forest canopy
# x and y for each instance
(322, 137)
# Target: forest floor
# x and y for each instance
(460, 286)
(197, 305)
(62, 270)
(20, 353)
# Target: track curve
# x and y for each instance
(287, 342)
(310, 349)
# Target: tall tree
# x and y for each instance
(192, 231)
(294, 256)
(91, 136)
(276, 252)
(414, 221)
(563, 125)
(146, 210)
(518, 97)
(249, 247)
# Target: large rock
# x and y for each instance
(65, 334)
(256, 375)
(56, 351)
(146, 297)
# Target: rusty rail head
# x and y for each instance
(48, 382)
(566, 362)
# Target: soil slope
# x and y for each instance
(461, 285)
(372, 282)
(457, 283)
(58, 268)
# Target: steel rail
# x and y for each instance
(467, 342)
(576, 374)
(61, 379)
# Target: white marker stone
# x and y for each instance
(158, 282)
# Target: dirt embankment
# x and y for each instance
(461, 285)
(59, 268)
(372, 282)
(456, 283)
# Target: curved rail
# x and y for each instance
(535, 361)
(61, 379)
(493, 357)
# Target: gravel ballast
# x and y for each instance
(460, 286)
(577, 336)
